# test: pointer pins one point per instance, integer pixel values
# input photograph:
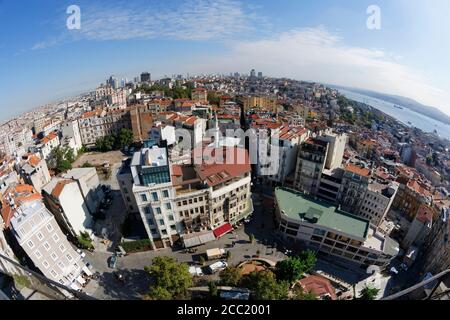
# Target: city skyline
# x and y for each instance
(327, 42)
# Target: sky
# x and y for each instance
(327, 41)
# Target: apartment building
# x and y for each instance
(141, 121)
(100, 123)
(47, 144)
(310, 165)
(195, 126)
(289, 139)
(34, 171)
(322, 227)
(420, 227)
(5, 250)
(64, 199)
(437, 245)
(38, 234)
(71, 136)
(179, 202)
(260, 102)
(89, 186)
(200, 94)
(410, 196)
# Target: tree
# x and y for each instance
(293, 268)
(300, 294)
(87, 165)
(369, 293)
(171, 279)
(213, 291)
(251, 238)
(228, 255)
(61, 159)
(124, 138)
(264, 286)
(309, 259)
(230, 276)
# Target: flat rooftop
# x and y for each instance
(150, 157)
(297, 206)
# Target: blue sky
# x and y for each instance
(326, 41)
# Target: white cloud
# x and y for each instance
(316, 54)
(188, 20)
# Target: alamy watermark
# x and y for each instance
(73, 22)
(374, 19)
(216, 148)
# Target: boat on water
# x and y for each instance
(398, 107)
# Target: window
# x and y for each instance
(30, 244)
(161, 222)
(76, 266)
(54, 256)
(62, 248)
(158, 210)
(143, 198)
(147, 210)
(164, 232)
(154, 196)
(54, 274)
(45, 264)
(171, 218)
(47, 245)
(40, 236)
(168, 206)
(38, 254)
(151, 222)
(69, 257)
(165, 194)
(173, 228)
(55, 237)
(49, 227)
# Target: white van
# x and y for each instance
(217, 266)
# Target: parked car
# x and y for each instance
(195, 271)
(112, 262)
(394, 270)
(217, 266)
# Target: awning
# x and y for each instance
(198, 238)
(222, 230)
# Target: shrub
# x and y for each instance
(137, 246)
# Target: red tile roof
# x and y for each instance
(20, 193)
(319, 286)
(49, 138)
(364, 172)
(236, 162)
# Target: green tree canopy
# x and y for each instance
(171, 279)
(60, 159)
(293, 268)
(300, 294)
(114, 142)
(230, 276)
(264, 286)
(369, 293)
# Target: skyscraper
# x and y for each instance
(145, 77)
